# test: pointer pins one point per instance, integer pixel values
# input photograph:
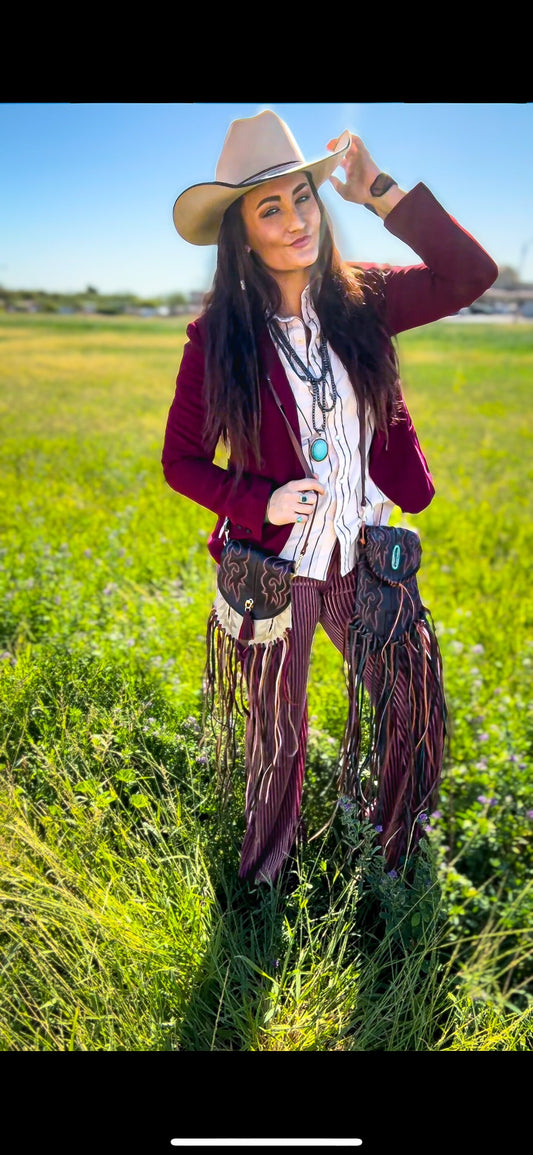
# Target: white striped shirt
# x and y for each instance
(338, 509)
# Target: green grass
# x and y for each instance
(122, 920)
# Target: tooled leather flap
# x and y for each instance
(393, 553)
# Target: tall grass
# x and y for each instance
(124, 925)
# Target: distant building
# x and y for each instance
(519, 300)
(196, 298)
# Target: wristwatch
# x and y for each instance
(380, 185)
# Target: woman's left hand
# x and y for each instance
(360, 171)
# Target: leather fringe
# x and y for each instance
(236, 673)
(393, 771)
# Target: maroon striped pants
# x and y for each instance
(272, 807)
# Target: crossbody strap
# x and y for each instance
(362, 452)
(291, 433)
(308, 472)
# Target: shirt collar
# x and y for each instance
(308, 311)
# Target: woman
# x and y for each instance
(286, 311)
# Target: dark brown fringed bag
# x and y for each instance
(252, 608)
(394, 669)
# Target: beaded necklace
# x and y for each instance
(317, 386)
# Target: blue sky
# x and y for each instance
(87, 190)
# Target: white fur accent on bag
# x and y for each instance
(265, 629)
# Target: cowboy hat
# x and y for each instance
(255, 150)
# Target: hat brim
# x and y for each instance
(198, 211)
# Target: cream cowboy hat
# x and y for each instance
(255, 150)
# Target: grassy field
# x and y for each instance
(123, 924)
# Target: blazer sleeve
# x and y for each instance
(456, 270)
(188, 459)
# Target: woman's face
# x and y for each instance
(282, 223)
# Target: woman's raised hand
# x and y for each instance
(360, 171)
(294, 500)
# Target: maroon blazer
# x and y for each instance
(454, 273)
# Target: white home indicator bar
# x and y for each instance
(266, 1142)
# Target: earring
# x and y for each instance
(247, 249)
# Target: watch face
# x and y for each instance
(381, 184)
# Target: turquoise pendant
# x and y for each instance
(319, 449)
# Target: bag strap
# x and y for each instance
(291, 433)
(362, 451)
(308, 472)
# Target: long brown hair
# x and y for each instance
(244, 296)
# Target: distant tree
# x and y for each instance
(174, 299)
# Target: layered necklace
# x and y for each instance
(317, 387)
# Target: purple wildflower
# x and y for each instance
(392, 873)
(437, 814)
(479, 649)
(423, 817)
(529, 813)
(483, 737)
(378, 829)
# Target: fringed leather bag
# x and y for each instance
(395, 683)
(254, 592)
(248, 633)
(254, 587)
